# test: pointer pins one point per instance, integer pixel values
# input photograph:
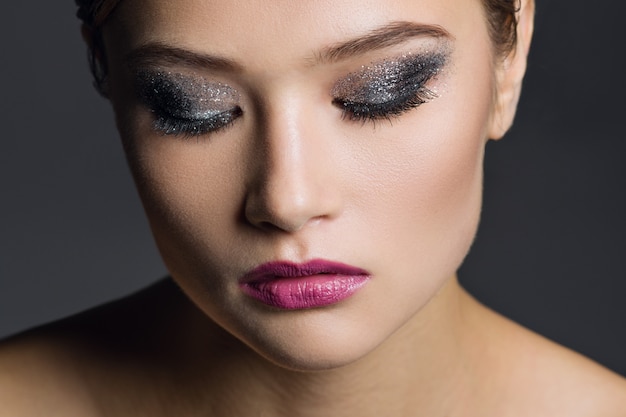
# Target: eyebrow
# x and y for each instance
(157, 53)
(392, 34)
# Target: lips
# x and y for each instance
(291, 286)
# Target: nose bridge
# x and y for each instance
(292, 179)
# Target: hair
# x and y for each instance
(502, 25)
(500, 15)
(94, 14)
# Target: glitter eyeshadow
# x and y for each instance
(177, 99)
(390, 80)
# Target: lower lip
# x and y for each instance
(300, 293)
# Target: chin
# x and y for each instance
(314, 359)
(309, 341)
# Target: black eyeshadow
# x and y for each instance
(389, 80)
(187, 103)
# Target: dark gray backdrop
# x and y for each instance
(552, 245)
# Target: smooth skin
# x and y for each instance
(294, 180)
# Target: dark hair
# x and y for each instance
(500, 16)
(502, 25)
(94, 14)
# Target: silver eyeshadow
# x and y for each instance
(390, 80)
(186, 103)
(191, 104)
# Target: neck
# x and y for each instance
(422, 369)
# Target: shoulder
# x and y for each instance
(578, 385)
(61, 369)
(542, 378)
(37, 378)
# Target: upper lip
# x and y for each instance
(285, 269)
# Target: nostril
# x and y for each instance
(285, 211)
(269, 227)
(270, 220)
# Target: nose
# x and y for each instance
(292, 178)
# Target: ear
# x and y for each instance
(510, 73)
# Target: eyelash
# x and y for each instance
(368, 112)
(176, 126)
(353, 111)
(170, 124)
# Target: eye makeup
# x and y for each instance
(388, 88)
(187, 104)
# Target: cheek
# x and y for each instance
(427, 210)
(425, 187)
(191, 192)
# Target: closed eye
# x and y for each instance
(168, 124)
(393, 108)
(186, 104)
(389, 88)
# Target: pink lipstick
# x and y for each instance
(291, 286)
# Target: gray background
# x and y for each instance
(550, 252)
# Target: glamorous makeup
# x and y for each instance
(187, 104)
(390, 87)
(290, 286)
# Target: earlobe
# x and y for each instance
(510, 73)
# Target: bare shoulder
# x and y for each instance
(581, 386)
(541, 378)
(61, 369)
(38, 378)
(578, 385)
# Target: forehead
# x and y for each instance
(280, 28)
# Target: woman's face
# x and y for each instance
(340, 132)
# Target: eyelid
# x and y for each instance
(374, 83)
(388, 88)
(185, 90)
(187, 104)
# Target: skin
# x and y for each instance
(294, 180)
(325, 188)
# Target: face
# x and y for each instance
(340, 140)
